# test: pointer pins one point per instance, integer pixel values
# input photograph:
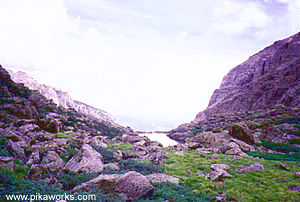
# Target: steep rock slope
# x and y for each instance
(267, 78)
(60, 97)
(264, 89)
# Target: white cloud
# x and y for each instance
(236, 17)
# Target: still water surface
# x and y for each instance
(160, 137)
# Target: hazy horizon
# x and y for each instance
(152, 65)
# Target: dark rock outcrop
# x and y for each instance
(266, 79)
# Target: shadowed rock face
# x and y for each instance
(268, 78)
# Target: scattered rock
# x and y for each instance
(7, 162)
(233, 149)
(252, 167)
(200, 174)
(34, 158)
(220, 167)
(283, 166)
(17, 149)
(217, 175)
(244, 146)
(297, 174)
(221, 198)
(188, 171)
(111, 166)
(28, 127)
(159, 177)
(52, 162)
(179, 153)
(294, 188)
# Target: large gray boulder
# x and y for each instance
(87, 160)
(129, 186)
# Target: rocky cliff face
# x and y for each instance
(60, 97)
(265, 89)
(267, 78)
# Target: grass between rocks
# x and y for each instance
(271, 184)
(62, 135)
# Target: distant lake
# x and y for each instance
(161, 138)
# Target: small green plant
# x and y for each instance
(143, 167)
(69, 181)
(71, 151)
(172, 192)
(278, 157)
(62, 135)
(295, 141)
(280, 147)
(292, 120)
(107, 153)
(4, 150)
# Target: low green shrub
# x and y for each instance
(172, 192)
(69, 181)
(107, 153)
(293, 120)
(278, 157)
(4, 150)
(140, 166)
(62, 135)
(71, 151)
(280, 147)
(294, 141)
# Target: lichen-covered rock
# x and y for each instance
(129, 186)
(252, 167)
(87, 160)
(233, 149)
(52, 162)
(220, 167)
(241, 132)
(111, 166)
(7, 162)
(34, 158)
(212, 139)
(159, 177)
(243, 145)
(218, 175)
(132, 186)
(17, 149)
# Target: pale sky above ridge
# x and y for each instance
(151, 64)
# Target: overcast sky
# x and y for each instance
(152, 64)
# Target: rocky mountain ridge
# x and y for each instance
(60, 97)
(266, 79)
(265, 87)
